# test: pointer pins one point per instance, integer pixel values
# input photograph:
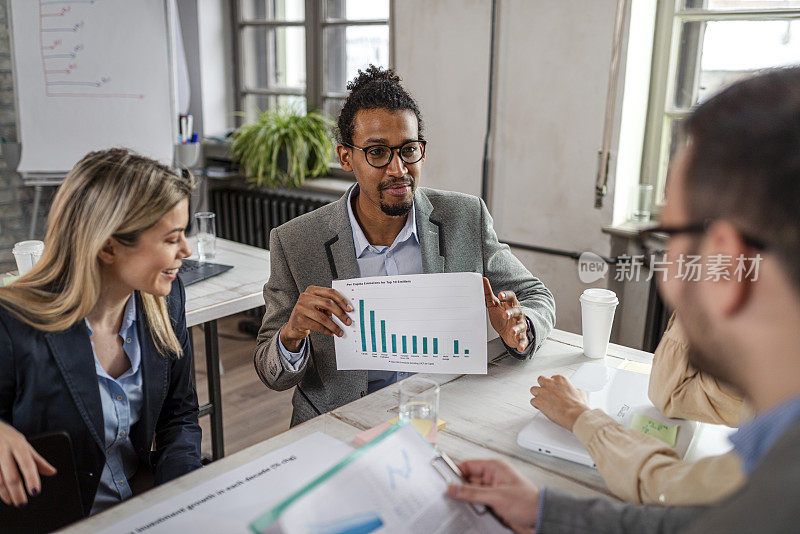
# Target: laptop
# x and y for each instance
(59, 503)
(193, 271)
(621, 394)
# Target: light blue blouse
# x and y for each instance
(122, 405)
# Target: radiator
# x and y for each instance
(247, 215)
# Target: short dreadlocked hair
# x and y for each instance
(374, 88)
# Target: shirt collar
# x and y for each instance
(754, 439)
(360, 241)
(127, 330)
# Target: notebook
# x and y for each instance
(621, 394)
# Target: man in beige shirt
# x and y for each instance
(639, 468)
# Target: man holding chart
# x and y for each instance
(383, 225)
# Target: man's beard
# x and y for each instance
(396, 210)
(705, 352)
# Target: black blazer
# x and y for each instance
(48, 382)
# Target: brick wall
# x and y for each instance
(16, 200)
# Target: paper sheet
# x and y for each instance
(91, 75)
(636, 367)
(389, 485)
(229, 502)
(432, 323)
(657, 429)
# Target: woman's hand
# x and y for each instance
(19, 463)
(559, 400)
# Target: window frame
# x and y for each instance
(666, 63)
(314, 23)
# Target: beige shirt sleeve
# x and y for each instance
(680, 390)
(642, 469)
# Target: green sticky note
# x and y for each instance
(654, 428)
(8, 279)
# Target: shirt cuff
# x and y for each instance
(539, 511)
(293, 359)
(531, 342)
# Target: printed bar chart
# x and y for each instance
(363, 326)
(440, 320)
(372, 329)
(414, 345)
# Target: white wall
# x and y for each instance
(442, 55)
(552, 75)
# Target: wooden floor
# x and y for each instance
(250, 411)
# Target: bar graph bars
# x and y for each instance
(369, 329)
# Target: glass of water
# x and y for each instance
(419, 405)
(206, 235)
(644, 202)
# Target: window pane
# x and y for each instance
(274, 57)
(349, 48)
(669, 145)
(292, 10)
(332, 107)
(715, 54)
(740, 5)
(254, 105)
(357, 9)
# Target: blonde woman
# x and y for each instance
(93, 340)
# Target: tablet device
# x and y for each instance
(59, 502)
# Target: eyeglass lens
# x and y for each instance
(381, 155)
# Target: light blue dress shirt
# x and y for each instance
(754, 439)
(122, 404)
(403, 256)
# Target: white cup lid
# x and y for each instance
(29, 247)
(596, 295)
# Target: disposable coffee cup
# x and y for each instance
(597, 316)
(27, 253)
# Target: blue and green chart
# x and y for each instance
(432, 323)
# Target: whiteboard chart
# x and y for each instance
(432, 323)
(91, 74)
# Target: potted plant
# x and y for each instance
(283, 147)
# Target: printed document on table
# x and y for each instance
(424, 323)
(229, 502)
(388, 485)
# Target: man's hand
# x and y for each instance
(312, 313)
(506, 316)
(512, 497)
(19, 463)
(559, 400)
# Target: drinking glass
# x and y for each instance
(206, 235)
(419, 405)
(644, 202)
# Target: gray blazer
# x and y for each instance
(456, 235)
(768, 502)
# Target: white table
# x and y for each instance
(483, 413)
(234, 291)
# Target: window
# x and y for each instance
(302, 52)
(700, 47)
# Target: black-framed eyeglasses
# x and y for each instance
(653, 241)
(380, 156)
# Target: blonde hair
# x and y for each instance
(109, 193)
